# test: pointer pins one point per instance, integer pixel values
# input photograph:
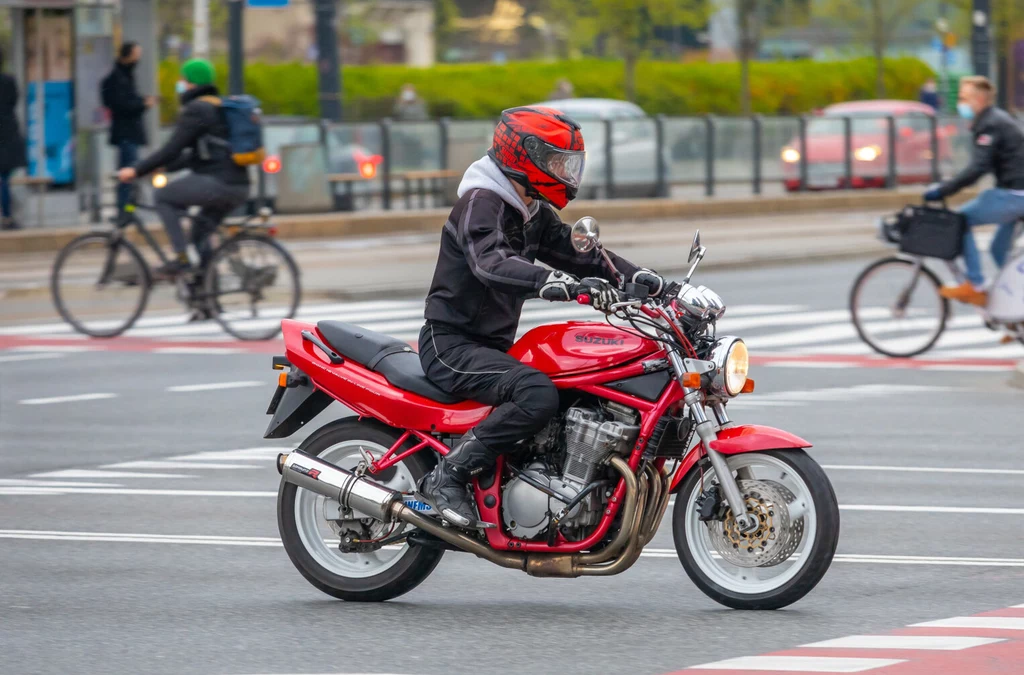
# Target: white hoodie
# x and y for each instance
(486, 174)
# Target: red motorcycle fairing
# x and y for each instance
(740, 439)
(580, 347)
(590, 354)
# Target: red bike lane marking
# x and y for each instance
(1002, 653)
(276, 346)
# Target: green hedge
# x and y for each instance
(484, 90)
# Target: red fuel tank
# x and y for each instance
(579, 347)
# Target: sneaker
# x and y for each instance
(10, 225)
(171, 270)
(966, 293)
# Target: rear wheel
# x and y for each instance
(790, 552)
(251, 285)
(311, 525)
(896, 307)
(100, 284)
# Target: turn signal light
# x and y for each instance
(748, 388)
(367, 169)
(282, 379)
(691, 380)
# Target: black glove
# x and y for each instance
(558, 287)
(654, 282)
(602, 294)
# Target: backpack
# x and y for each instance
(245, 128)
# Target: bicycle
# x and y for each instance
(896, 308)
(244, 265)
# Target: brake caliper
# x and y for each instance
(710, 505)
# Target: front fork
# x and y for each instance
(707, 431)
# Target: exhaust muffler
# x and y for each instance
(352, 491)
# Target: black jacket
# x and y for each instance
(127, 108)
(12, 144)
(998, 149)
(485, 269)
(187, 148)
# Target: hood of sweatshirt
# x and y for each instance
(486, 174)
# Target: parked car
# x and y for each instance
(634, 146)
(826, 146)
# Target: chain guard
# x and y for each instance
(777, 536)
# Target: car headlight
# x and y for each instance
(791, 155)
(733, 363)
(868, 153)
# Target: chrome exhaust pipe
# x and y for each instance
(352, 491)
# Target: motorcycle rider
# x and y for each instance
(999, 149)
(502, 222)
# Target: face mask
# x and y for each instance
(180, 87)
(965, 111)
(408, 95)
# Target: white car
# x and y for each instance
(634, 146)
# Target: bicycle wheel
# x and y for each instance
(251, 285)
(100, 284)
(896, 307)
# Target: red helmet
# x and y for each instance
(542, 150)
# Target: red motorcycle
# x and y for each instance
(755, 520)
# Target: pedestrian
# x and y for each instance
(12, 145)
(563, 89)
(127, 110)
(929, 94)
(409, 106)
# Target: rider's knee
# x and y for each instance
(536, 394)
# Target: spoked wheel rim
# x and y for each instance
(321, 541)
(252, 284)
(100, 285)
(897, 309)
(782, 480)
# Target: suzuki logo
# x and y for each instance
(599, 340)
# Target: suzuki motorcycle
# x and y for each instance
(643, 417)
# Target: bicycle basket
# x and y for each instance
(931, 232)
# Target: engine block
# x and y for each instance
(589, 441)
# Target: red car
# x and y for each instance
(826, 146)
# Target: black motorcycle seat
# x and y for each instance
(383, 354)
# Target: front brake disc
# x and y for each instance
(777, 535)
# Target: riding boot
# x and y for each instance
(446, 488)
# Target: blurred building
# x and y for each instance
(370, 31)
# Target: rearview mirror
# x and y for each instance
(586, 235)
(695, 247)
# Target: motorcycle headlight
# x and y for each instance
(733, 361)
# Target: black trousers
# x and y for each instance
(524, 398)
(216, 198)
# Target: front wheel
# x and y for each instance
(896, 307)
(312, 526)
(785, 557)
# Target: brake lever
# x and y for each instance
(630, 303)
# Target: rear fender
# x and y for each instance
(739, 439)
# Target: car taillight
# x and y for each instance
(272, 164)
(367, 169)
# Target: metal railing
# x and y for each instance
(395, 165)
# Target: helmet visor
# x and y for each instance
(565, 166)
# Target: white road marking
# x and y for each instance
(215, 386)
(879, 559)
(799, 664)
(995, 511)
(197, 350)
(989, 622)
(56, 348)
(244, 454)
(92, 473)
(51, 483)
(809, 364)
(136, 492)
(160, 464)
(28, 357)
(914, 642)
(921, 469)
(66, 399)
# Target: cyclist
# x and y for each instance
(502, 222)
(216, 183)
(998, 149)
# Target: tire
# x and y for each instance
(858, 322)
(820, 551)
(412, 568)
(107, 240)
(210, 286)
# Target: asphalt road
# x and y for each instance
(103, 500)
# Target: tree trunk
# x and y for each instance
(743, 18)
(878, 41)
(631, 58)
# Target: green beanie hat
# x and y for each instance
(198, 72)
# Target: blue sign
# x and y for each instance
(58, 101)
(265, 4)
